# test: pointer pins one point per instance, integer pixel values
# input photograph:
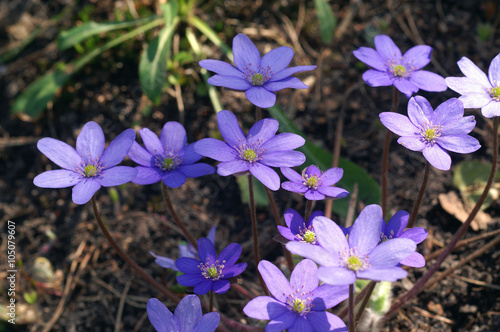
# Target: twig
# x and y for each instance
(414, 212)
(121, 305)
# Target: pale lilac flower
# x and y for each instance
(478, 90)
(402, 71)
(314, 184)
(88, 167)
(256, 153)
(297, 228)
(433, 132)
(167, 158)
(298, 305)
(187, 317)
(259, 78)
(361, 255)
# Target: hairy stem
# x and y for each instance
(414, 212)
(352, 323)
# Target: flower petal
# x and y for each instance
(196, 170)
(90, 142)
(389, 274)
(386, 47)
(418, 56)
(317, 253)
(330, 323)
(118, 149)
(59, 178)
(416, 234)
(313, 195)
(437, 157)
(477, 100)
(305, 276)
(283, 158)
(414, 260)
(333, 192)
(116, 176)
(160, 317)
(221, 286)
(337, 276)
(428, 81)
(174, 178)
(215, 149)
(230, 82)
(208, 322)
(378, 78)
(245, 52)
(221, 68)
(203, 287)
(230, 254)
(165, 262)
(60, 153)
(301, 325)
(188, 266)
(260, 97)
(312, 170)
(405, 86)
(152, 142)
(491, 109)
(366, 230)
(289, 82)
(229, 129)
(398, 124)
(232, 167)
(330, 237)
(173, 136)
(397, 224)
(293, 220)
(147, 175)
(188, 312)
(189, 280)
(282, 142)
(328, 296)
(84, 190)
(188, 155)
(235, 270)
(266, 175)
(264, 307)
(262, 130)
(276, 282)
(332, 176)
(206, 250)
(389, 253)
(277, 59)
(140, 155)
(289, 72)
(291, 175)
(413, 143)
(286, 233)
(371, 57)
(473, 72)
(294, 187)
(459, 143)
(464, 85)
(494, 70)
(450, 110)
(420, 111)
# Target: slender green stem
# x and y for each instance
(178, 221)
(414, 212)
(419, 286)
(129, 260)
(352, 322)
(385, 155)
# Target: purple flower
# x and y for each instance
(168, 158)
(298, 305)
(477, 90)
(210, 272)
(256, 153)
(259, 78)
(402, 71)
(314, 184)
(186, 318)
(186, 250)
(396, 229)
(88, 167)
(433, 132)
(298, 229)
(360, 255)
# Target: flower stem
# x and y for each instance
(370, 287)
(309, 208)
(211, 305)
(419, 286)
(129, 260)
(414, 212)
(176, 217)
(277, 217)
(253, 216)
(385, 155)
(258, 114)
(352, 323)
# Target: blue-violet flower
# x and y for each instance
(402, 71)
(433, 132)
(259, 78)
(297, 228)
(88, 167)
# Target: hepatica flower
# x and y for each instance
(210, 272)
(477, 89)
(297, 228)
(88, 167)
(314, 184)
(298, 305)
(167, 158)
(390, 67)
(259, 78)
(256, 153)
(360, 255)
(187, 317)
(433, 132)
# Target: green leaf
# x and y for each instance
(35, 97)
(327, 21)
(153, 64)
(73, 36)
(210, 34)
(369, 191)
(30, 297)
(259, 191)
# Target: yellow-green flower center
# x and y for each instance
(257, 79)
(168, 162)
(399, 70)
(309, 236)
(430, 132)
(495, 93)
(298, 305)
(90, 171)
(312, 182)
(354, 263)
(249, 155)
(212, 272)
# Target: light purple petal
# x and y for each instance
(232, 167)
(460, 126)
(494, 70)
(262, 130)
(405, 86)
(428, 81)
(215, 149)
(416, 234)
(413, 143)
(398, 124)
(333, 192)
(389, 253)
(118, 149)
(283, 322)
(313, 170)
(188, 266)
(492, 109)
(330, 323)
(188, 312)
(332, 176)
(459, 144)
(476, 100)
(90, 142)
(289, 82)
(196, 170)
(245, 52)
(464, 85)
(397, 224)
(59, 178)
(418, 56)
(328, 296)
(84, 190)
(282, 142)
(414, 260)
(211, 235)
(221, 286)
(330, 237)
(389, 274)
(277, 59)
(366, 230)
(336, 276)
(293, 219)
(376, 78)
(437, 157)
(276, 282)
(264, 307)
(203, 287)
(450, 110)
(305, 276)
(287, 234)
(173, 136)
(386, 47)
(230, 254)
(221, 68)
(165, 262)
(289, 72)
(147, 175)
(317, 253)
(208, 323)
(473, 72)
(60, 153)
(116, 176)
(371, 57)
(313, 195)
(174, 178)
(420, 111)
(266, 175)
(229, 129)
(291, 175)
(260, 97)
(152, 142)
(160, 317)
(283, 158)
(188, 155)
(230, 82)
(294, 187)
(140, 155)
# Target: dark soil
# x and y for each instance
(103, 293)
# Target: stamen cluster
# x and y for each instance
(212, 271)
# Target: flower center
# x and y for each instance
(298, 305)
(90, 171)
(212, 271)
(299, 301)
(258, 79)
(168, 161)
(399, 70)
(249, 155)
(257, 76)
(89, 167)
(353, 261)
(310, 181)
(306, 234)
(400, 67)
(495, 93)
(384, 237)
(430, 132)
(250, 152)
